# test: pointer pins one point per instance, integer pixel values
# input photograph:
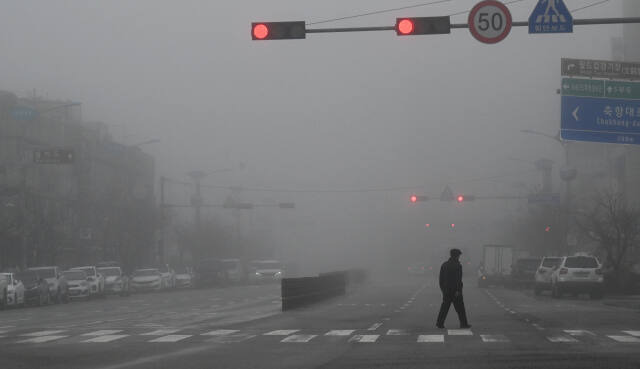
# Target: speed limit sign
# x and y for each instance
(490, 21)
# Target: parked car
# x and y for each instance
(576, 274)
(235, 271)
(184, 277)
(523, 272)
(210, 272)
(146, 280)
(95, 279)
(543, 274)
(168, 276)
(4, 283)
(36, 289)
(78, 283)
(56, 281)
(266, 271)
(115, 282)
(15, 290)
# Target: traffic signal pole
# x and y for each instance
(576, 22)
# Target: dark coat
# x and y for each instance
(451, 276)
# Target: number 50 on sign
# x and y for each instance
(490, 21)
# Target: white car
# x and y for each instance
(15, 290)
(115, 282)
(56, 281)
(95, 279)
(576, 274)
(265, 271)
(543, 274)
(146, 280)
(77, 283)
(184, 277)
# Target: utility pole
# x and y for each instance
(163, 221)
(196, 202)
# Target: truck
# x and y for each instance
(496, 265)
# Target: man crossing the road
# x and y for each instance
(451, 287)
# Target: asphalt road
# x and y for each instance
(386, 324)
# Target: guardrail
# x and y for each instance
(299, 292)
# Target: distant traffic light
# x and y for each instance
(427, 225)
(547, 229)
(453, 225)
(418, 198)
(423, 26)
(463, 198)
(278, 30)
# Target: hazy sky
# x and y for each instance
(332, 111)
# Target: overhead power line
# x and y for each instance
(380, 12)
(589, 6)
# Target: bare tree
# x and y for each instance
(615, 225)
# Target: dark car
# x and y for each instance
(523, 272)
(36, 288)
(210, 272)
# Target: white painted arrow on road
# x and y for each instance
(575, 114)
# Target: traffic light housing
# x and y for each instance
(464, 198)
(418, 198)
(423, 26)
(278, 30)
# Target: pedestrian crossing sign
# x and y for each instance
(551, 16)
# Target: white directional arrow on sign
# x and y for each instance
(575, 114)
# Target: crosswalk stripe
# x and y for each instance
(431, 338)
(344, 332)
(364, 338)
(460, 332)
(282, 332)
(299, 338)
(561, 339)
(220, 332)
(397, 332)
(106, 338)
(633, 333)
(232, 338)
(160, 332)
(494, 338)
(103, 332)
(42, 339)
(171, 338)
(625, 339)
(578, 332)
(41, 333)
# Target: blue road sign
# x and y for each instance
(550, 16)
(24, 113)
(600, 120)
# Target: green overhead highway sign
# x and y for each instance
(601, 88)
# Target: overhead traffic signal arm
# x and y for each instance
(278, 30)
(418, 198)
(423, 26)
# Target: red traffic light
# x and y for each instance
(453, 225)
(460, 198)
(278, 30)
(547, 229)
(427, 225)
(260, 31)
(413, 199)
(405, 26)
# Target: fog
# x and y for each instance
(347, 126)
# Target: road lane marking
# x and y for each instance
(364, 338)
(494, 338)
(431, 338)
(160, 332)
(103, 332)
(562, 339)
(220, 332)
(537, 326)
(41, 333)
(42, 339)
(171, 338)
(397, 332)
(374, 326)
(106, 338)
(625, 339)
(632, 333)
(578, 332)
(343, 332)
(300, 338)
(282, 332)
(460, 332)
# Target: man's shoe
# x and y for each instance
(467, 326)
(439, 326)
